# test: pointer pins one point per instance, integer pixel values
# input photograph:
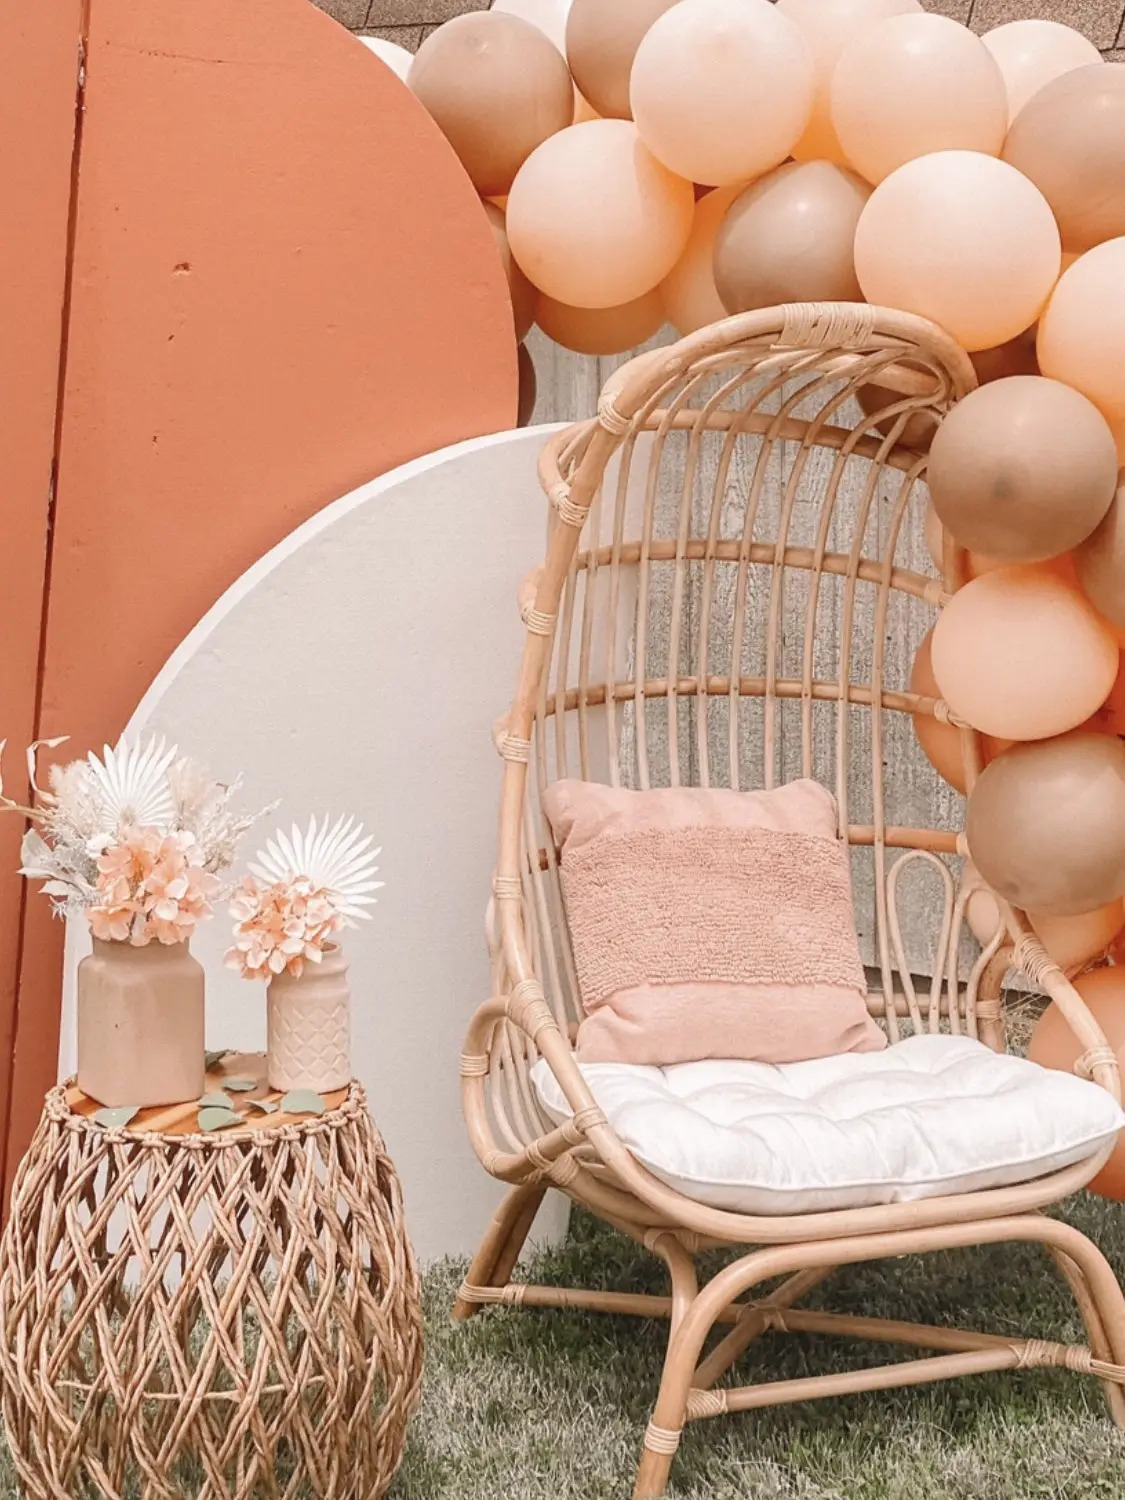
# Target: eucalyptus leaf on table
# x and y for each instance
(240, 1085)
(303, 1102)
(213, 1059)
(216, 1100)
(213, 1117)
(114, 1119)
(267, 1106)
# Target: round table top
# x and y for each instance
(183, 1119)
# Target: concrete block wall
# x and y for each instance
(408, 22)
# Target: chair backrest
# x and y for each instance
(735, 584)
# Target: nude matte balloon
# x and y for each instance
(828, 26)
(1074, 941)
(1046, 824)
(789, 238)
(1030, 54)
(601, 41)
(721, 89)
(594, 220)
(690, 296)
(1020, 655)
(964, 240)
(917, 432)
(549, 15)
(523, 293)
(1100, 564)
(497, 88)
(915, 84)
(601, 330)
(1070, 140)
(1014, 357)
(1054, 1045)
(1022, 469)
(1082, 330)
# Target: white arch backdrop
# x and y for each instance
(359, 667)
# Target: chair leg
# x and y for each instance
(495, 1261)
(1112, 1304)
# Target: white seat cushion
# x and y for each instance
(928, 1116)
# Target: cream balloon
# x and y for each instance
(912, 85)
(397, 58)
(594, 220)
(982, 910)
(1082, 331)
(1020, 655)
(549, 15)
(828, 26)
(721, 90)
(601, 330)
(965, 240)
(690, 298)
(1030, 54)
(601, 43)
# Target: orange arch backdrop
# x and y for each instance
(272, 281)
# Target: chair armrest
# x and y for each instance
(1097, 1059)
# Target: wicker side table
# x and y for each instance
(219, 1315)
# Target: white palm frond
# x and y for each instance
(131, 785)
(335, 858)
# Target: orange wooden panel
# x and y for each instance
(283, 284)
(39, 54)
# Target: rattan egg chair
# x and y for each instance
(734, 551)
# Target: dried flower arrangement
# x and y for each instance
(302, 890)
(135, 840)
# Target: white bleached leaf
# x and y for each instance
(333, 857)
(131, 785)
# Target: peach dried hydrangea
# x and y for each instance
(279, 927)
(151, 886)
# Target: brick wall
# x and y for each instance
(409, 21)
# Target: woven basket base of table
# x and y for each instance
(215, 1316)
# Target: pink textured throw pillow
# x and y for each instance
(710, 923)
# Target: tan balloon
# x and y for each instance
(1100, 564)
(690, 296)
(523, 293)
(982, 910)
(964, 240)
(601, 43)
(1030, 54)
(918, 431)
(497, 88)
(789, 238)
(529, 387)
(1082, 330)
(827, 27)
(1016, 357)
(1070, 140)
(601, 330)
(1046, 824)
(549, 15)
(915, 84)
(1022, 469)
(721, 89)
(1074, 941)
(1021, 655)
(594, 220)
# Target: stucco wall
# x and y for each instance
(408, 21)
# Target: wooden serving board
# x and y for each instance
(183, 1119)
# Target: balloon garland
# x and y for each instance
(681, 160)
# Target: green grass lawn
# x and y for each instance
(552, 1405)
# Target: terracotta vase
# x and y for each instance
(308, 1023)
(140, 1024)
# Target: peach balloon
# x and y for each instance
(497, 88)
(912, 85)
(918, 431)
(721, 89)
(594, 220)
(1070, 140)
(1020, 655)
(690, 296)
(940, 742)
(601, 43)
(1082, 330)
(1075, 941)
(1045, 823)
(828, 26)
(1015, 357)
(601, 330)
(529, 386)
(789, 238)
(1054, 1045)
(522, 292)
(964, 240)
(982, 910)
(1030, 54)
(933, 535)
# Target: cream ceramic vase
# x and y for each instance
(140, 1024)
(308, 1023)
